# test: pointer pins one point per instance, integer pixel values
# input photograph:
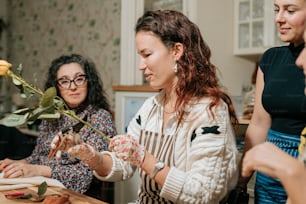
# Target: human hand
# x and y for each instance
(266, 158)
(127, 149)
(62, 142)
(18, 169)
(4, 163)
(83, 151)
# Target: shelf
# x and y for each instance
(243, 121)
(136, 88)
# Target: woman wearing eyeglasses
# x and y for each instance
(77, 82)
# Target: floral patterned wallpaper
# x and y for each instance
(41, 30)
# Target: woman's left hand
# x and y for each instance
(62, 142)
(127, 149)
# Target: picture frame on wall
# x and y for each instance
(127, 105)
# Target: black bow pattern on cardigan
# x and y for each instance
(206, 130)
(138, 120)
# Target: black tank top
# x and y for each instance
(283, 96)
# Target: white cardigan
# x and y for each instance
(205, 163)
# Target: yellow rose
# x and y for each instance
(4, 67)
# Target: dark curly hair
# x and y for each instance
(96, 94)
(196, 74)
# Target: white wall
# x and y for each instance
(215, 20)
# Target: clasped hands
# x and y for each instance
(124, 147)
(127, 149)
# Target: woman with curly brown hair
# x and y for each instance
(182, 139)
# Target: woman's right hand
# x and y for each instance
(70, 143)
(127, 149)
(6, 162)
(62, 142)
(20, 168)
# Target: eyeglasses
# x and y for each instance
(66, 83)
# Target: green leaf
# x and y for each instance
(38, 111)
(19, 69)
(42, 188)
(13, 120)
(50, 109)
(48, 116)
(27, 92)
(22, 111)
(23, 95)
(20, 87)
(16, 81)
(48, 97)
(59, 103)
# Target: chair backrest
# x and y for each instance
(14, 144)
(101, 190)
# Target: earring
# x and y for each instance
(175, 68)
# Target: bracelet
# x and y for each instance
(158, 167)
(100, 161)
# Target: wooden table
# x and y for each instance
(75, 198)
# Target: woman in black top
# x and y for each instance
(280, 104)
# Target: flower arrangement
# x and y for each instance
(50, 106)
